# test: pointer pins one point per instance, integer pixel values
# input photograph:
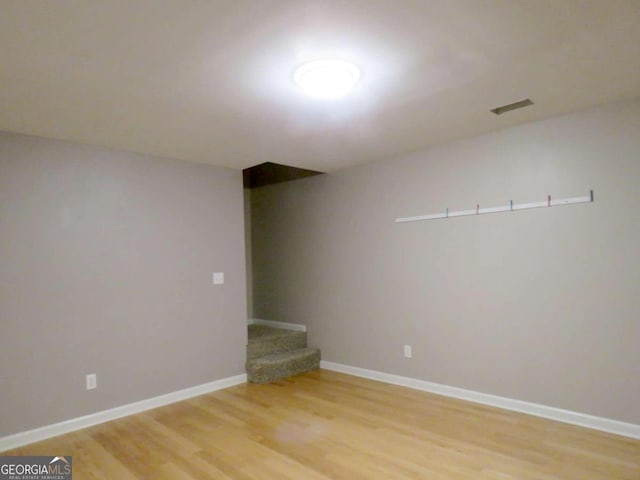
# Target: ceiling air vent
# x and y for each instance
(512, 106)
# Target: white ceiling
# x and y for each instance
(212, 81)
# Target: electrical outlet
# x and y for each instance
(407, 351)
(92, 381)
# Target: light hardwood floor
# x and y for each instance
(325, 425)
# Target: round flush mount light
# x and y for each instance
(327, 79)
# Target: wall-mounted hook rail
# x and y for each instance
(510, 207)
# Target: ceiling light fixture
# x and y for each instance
(327, 79)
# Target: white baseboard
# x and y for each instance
(284, 325)
(558, 414)
(42, 433)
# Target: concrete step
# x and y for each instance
(265, 340)
(275, 366)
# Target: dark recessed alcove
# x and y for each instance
(268, 173)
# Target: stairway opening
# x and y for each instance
(272, 353)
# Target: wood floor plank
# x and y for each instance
(326, 425)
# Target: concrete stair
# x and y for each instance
(276, 353)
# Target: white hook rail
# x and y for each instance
(510, 207)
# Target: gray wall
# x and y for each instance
(539, 305)
(247, 247)
(106, 261)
